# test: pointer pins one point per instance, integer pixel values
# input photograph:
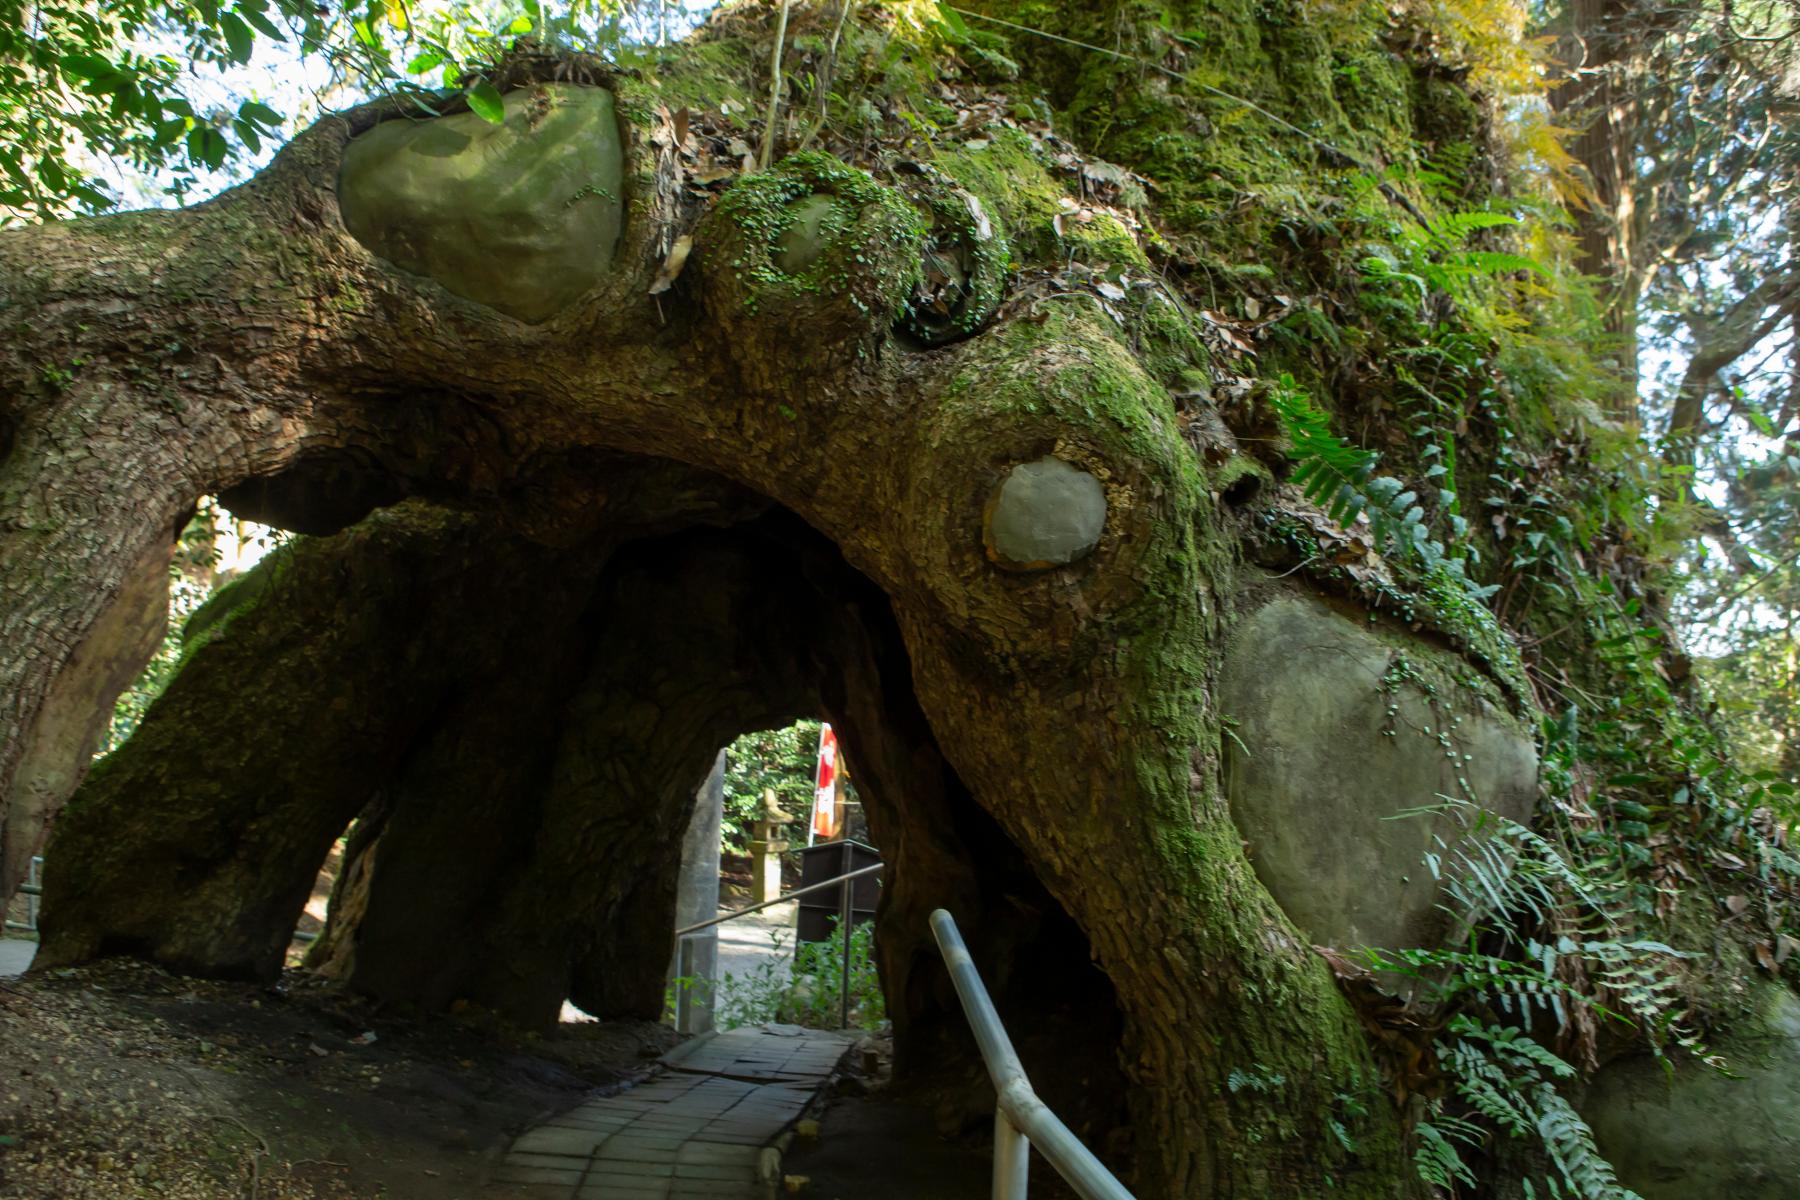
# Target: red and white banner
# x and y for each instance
(825, 815)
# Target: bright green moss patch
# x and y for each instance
(708, 74)
(1034, 209)
(1015, 184)
(1101, 391)
(863, 244)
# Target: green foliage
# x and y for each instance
(1543, 940)
(82, 84)
(812, 994)
(1435, 260)
(1672, 802)
(1435, 1154)
(779, 760)
(193, 580)
(1509, 1081)
(1330, 471)
(1257, 1079)
(136, 83)
(1743, 608)
(1336, 475)
(185, 598)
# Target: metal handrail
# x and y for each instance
(811, 887)
(1020, 1118)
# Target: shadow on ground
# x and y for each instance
(118, 1080)
(880, 1148)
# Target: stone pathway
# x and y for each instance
(698, 1131)
(15, 955)
(747, 944)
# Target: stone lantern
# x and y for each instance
(766, 849)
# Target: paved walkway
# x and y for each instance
(695, 1132)
(15, 955)
(747, 943)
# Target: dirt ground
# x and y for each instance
(121, 1082)
(881, 1147)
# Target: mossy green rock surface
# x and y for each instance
(1338, 729)
(522, 216)
(1698, 1135)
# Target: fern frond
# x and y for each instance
(1452, 228)
(1331, 471)
(1571, 1145)
(1436, 1158)
(1490, 262)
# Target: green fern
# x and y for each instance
(1572, 1149)
(1509, 1080)
(1450, 229)
(1491, 880)
(1501, 881)
(1340, 479)
(1436, 1157)
(1331, 471)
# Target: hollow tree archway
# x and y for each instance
(524, 732)
(838, 346)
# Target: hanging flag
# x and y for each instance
(825, 816)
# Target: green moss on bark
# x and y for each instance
(870, 236)
(1064, 377)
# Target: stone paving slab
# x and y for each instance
(15, 956)
(694, 1132)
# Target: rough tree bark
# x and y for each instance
(836, 346)
(1600, 42)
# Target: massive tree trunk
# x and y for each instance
(1600, 42)
(1034, 535)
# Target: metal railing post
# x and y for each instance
(33, 890)
(1012, 1158)
(684, 984)
(844, 928)
(1020, 1114)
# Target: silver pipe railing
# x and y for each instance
(697, 926)
(1021, 1120)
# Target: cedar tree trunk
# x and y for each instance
(908, 334)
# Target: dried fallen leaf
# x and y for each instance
(715, 173)
(671, 267)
